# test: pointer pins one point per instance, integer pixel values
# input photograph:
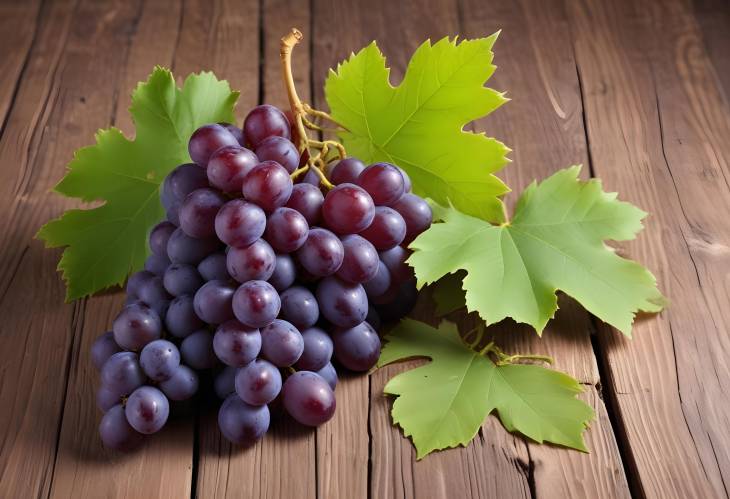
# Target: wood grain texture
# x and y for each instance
(654, 118)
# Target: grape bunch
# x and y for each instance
(261, 278)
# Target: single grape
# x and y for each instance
(322, 253)
(197, 350)
(235, 131)
(254, 262)
(198, 212)
(156, 264)
(284, 273)
(236, 344)
(136, 280)
(182, 384)
(346, 171)
(395, 259)
(258, 383)
(228, 166)
(317, 352)
(182, 279)
(256, 303)
(384, 182)
(307, 200)
(342, 303)
(405, 299)
(286, 230)
(299, 306)
(135, 326)
(206, 140)
(308, 398)
(116, 433)
(239, 223)
(265, 121)
(103, 347)
(225, 382)
(172, 212)
(281, 150)
(106, 398)
(154, 294)
(268, 185)
(122, 374)
(159, 236)
(281, 343)
(329, 374)
(241, 423)
(213, 302)
(357, 348)
(348, 209)
(416, 213)
(147, 409)
(213, 267)
(378, 284)
(360, 263)
(159, 359)
(180, 182)
(407, 185)
(181, 319)
(182, 248)
(387, 229)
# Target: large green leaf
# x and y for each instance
(104, 244)
(418, 125)
(443, 403)
(555, 241)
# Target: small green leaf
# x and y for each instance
(555, 241)
(104, 244)
(443, 403)
(418, 125)
(448, 294)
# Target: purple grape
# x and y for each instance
(348, 209)
(360, 263)
(405, 297)
(256, 303)
(116, 433)
(198, 212)
(329, 374)
(307, 200)
(284, 273)
(322, 253)
(136, 281)
(181, 319)
(225, 382)
(378, 284)
(308, 398)
(346, 171)
(387, 230)
(135, 326)
(342, 303)
(159, 359)
(373, 318)
(197, 350)
(286, 230)
(416, 213)
(180, 182)
(299, 306)
(281, 150)
(254, 262)
(268, 185)
(182, 248)
(258, 383)
(311, 178)
(235, 131)
(172, 213)
(106, 398)
(147, 409)
(213, 302)
(122, 374)
(206, 140)
(182, 279)
(239, 223)
(395, 260)
(156, 264)
(236, 344)
(159, 235)
(228, 166)
(241, 423)
(182, 384)
(265, 121)
(154, 294)
(281, 343)
(384, 182)
(406, 180)
(357, 348)
(213, 267)
(317, 350)
(103, 347)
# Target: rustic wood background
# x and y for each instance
(638, 91)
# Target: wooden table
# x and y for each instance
(638, 91)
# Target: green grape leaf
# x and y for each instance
(104, 244)
(555, 242)
(418, 125)
(448, 294)
(443, 403)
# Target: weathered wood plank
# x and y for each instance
(656, 121)
(713, 17)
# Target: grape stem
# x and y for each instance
(300, 113)
(496, 354)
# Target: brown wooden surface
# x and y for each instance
(638, 92)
